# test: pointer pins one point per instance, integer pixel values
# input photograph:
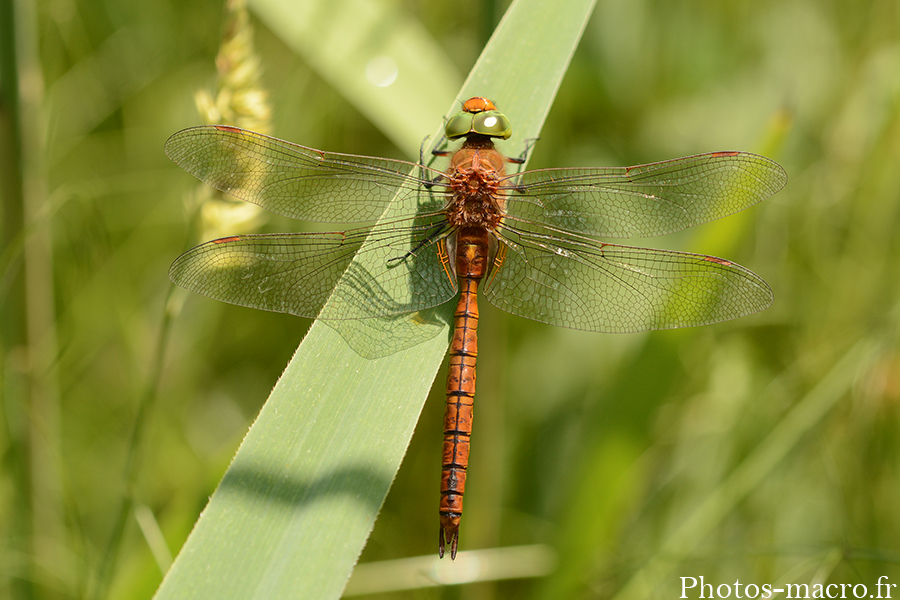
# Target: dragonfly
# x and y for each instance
(527, 241)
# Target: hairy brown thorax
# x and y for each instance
(475, 173)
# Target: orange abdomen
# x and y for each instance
(471, 260)
(458, 413)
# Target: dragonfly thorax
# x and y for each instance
(475, 173)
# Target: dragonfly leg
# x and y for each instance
(440, 148)
(520, 160)
(439, 232)
(435, 152)
(422, 150)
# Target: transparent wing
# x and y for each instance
(297, 273)
(299, 182)
(646, 200)
(584, 284)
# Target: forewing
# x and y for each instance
(299, 182)
(645, 200)
(588, 285)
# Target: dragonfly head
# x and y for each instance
(479, 116)
(478, 104)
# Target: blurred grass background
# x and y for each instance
(764, 449)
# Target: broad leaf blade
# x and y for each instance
(293, 512)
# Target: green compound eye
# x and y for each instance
(479, 116)
(492, 123)
(459, 125)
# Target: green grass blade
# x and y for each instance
(347, 43)
(294, 509)
(703, 520)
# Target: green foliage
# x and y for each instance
(300, 497)
(763, 449)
